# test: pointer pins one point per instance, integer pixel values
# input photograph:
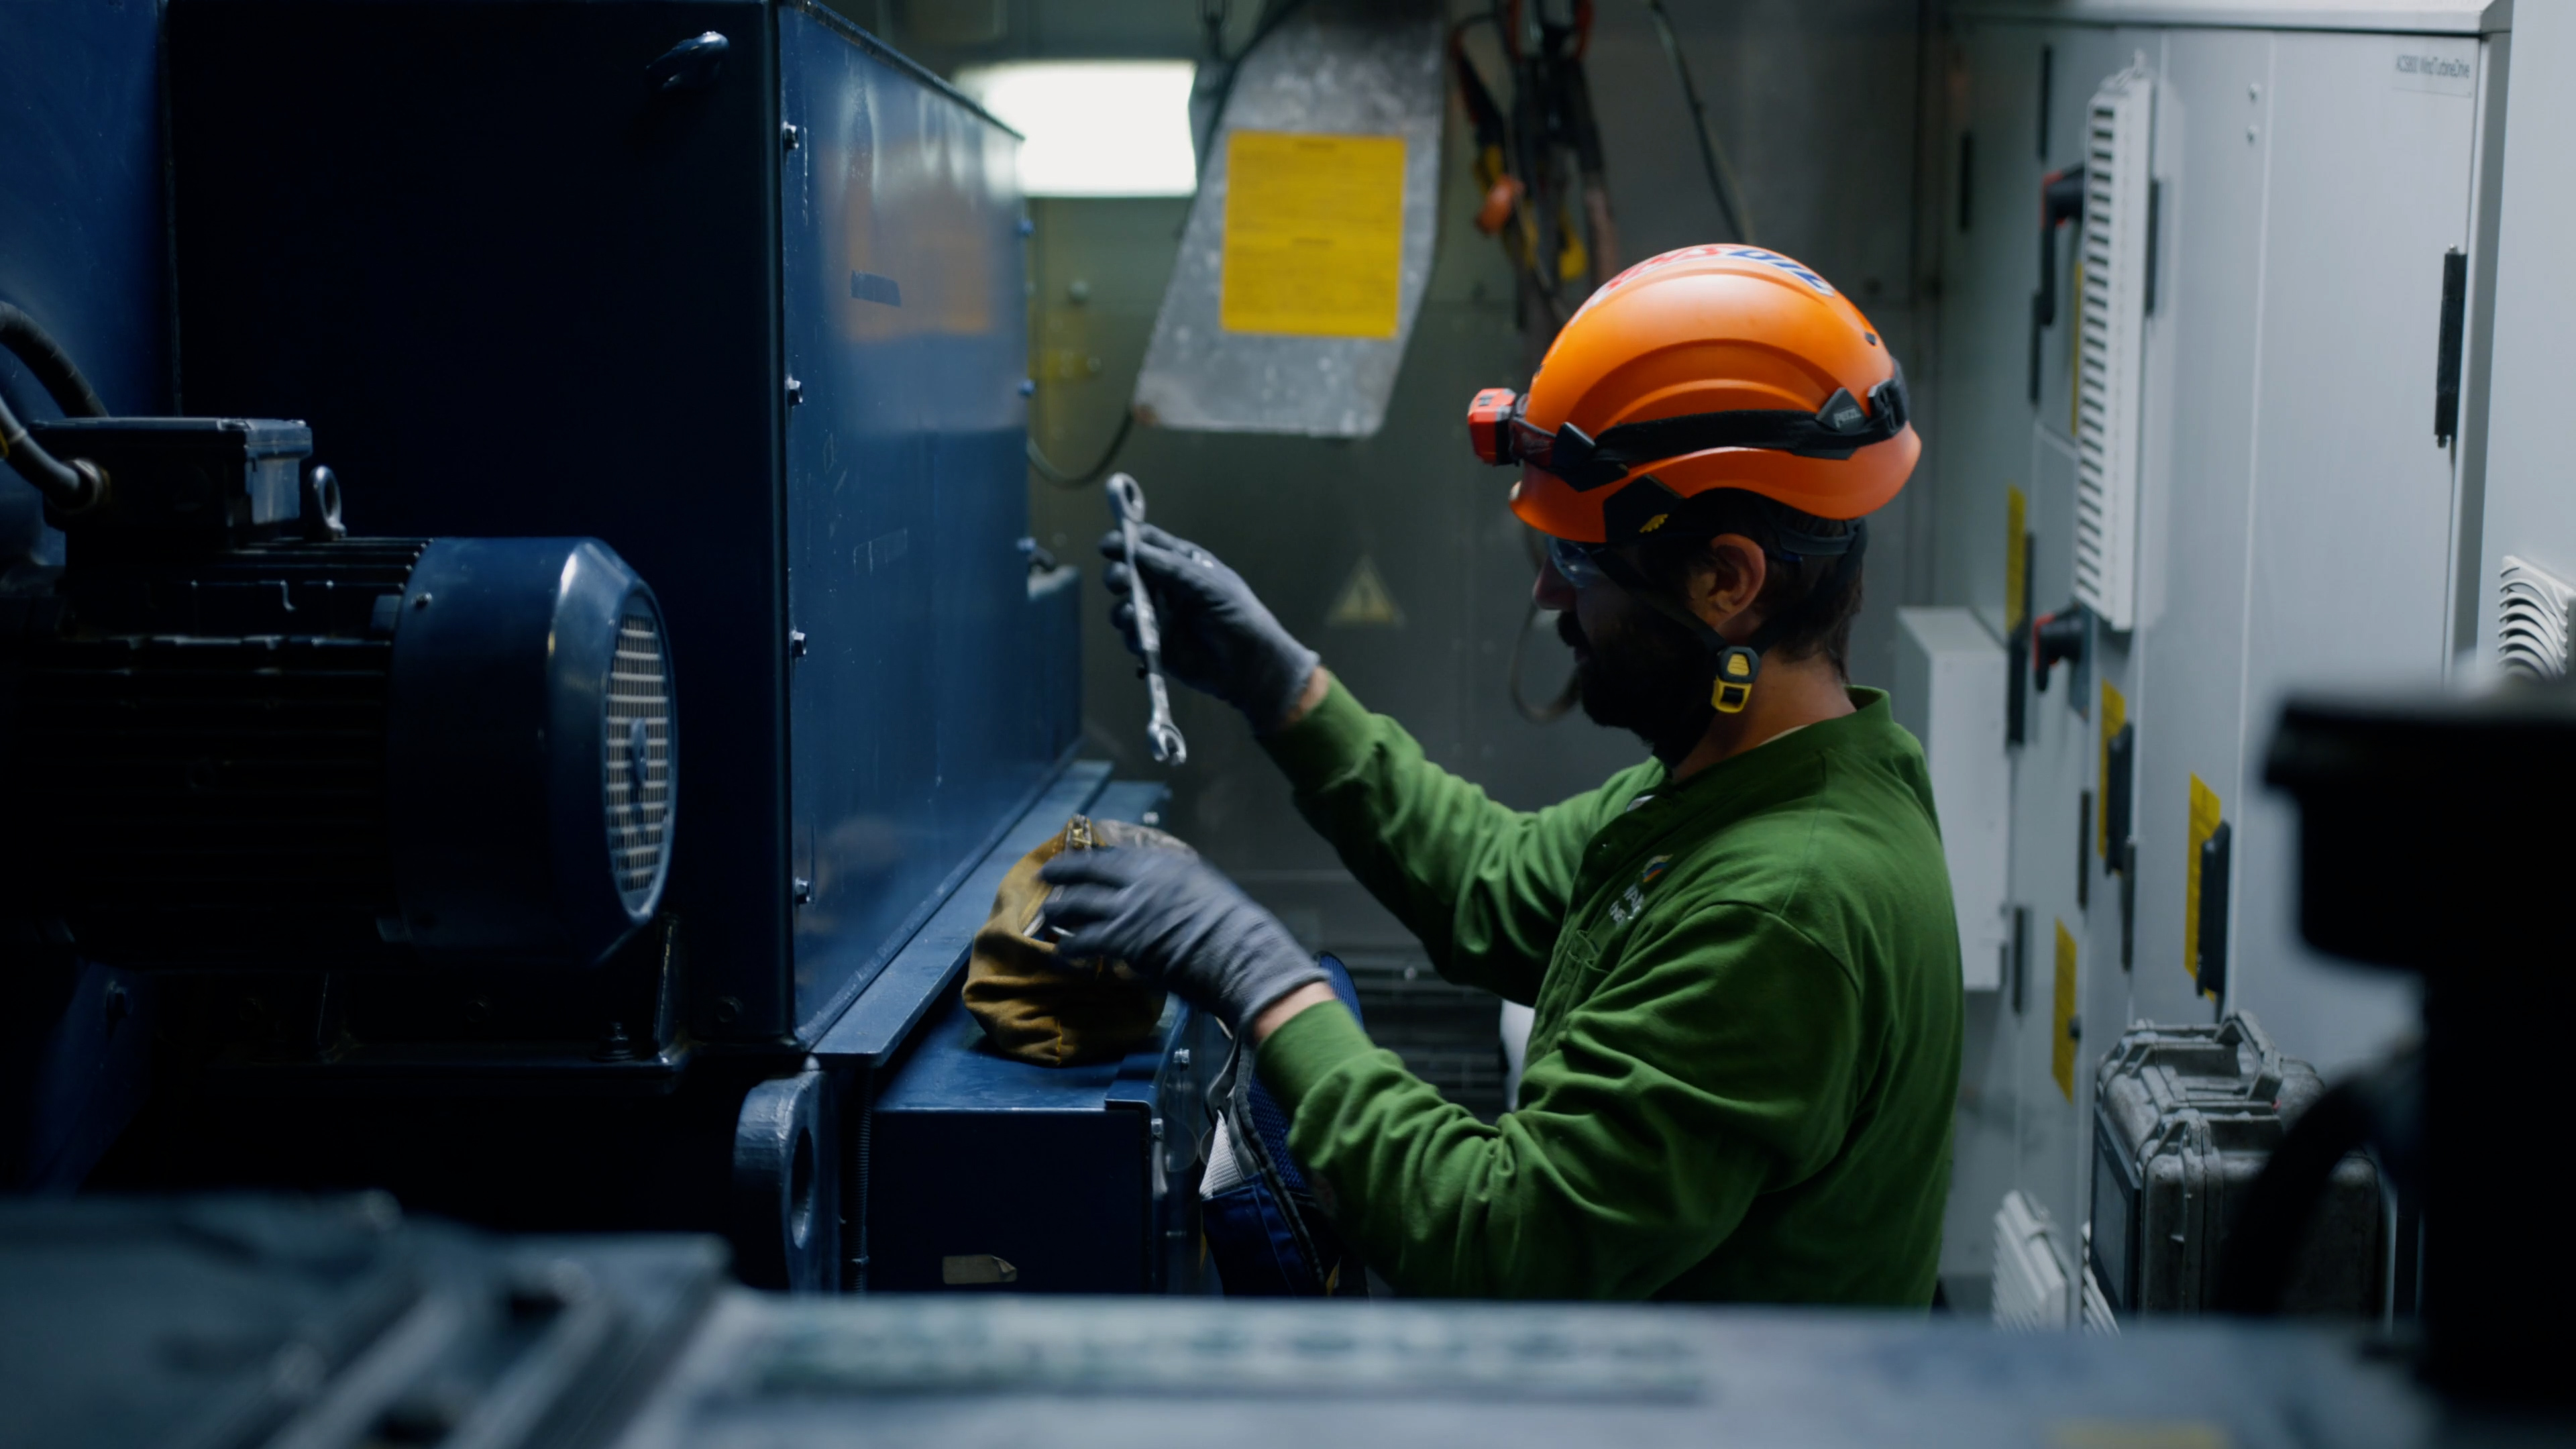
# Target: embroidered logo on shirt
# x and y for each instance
(1632, 902)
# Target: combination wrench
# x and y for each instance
(1127, 501)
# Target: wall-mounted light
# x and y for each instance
(1094, 127)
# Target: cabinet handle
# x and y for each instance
(2446, 364)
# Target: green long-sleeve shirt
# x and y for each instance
(1746, 1052)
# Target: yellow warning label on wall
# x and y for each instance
(2016, 557)
(1364, 602)
(1314, 234)
(2061, 1054)
(2115, 713)
(2203, 822)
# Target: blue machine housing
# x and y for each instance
(730, 288)
(83, 251)
(753, 317)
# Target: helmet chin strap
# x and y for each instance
(1734, 668)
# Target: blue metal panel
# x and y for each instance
(1083, 1178)
(906, 498)
(81, 234)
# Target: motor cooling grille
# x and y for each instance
(639, 753)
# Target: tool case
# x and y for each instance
(2184, 1119)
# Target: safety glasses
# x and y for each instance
(1582, 565)
(1579, 564)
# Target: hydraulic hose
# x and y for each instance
(52, 366)
(70, 487)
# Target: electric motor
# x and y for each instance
(241, 739)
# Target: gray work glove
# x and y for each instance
(1179, 922)
(1217, 636)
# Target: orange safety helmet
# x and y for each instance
(1708, 368)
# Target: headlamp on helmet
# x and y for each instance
(1499, 429)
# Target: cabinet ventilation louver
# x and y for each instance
(2030, 1275)
(2119, 128)
(2531, 620)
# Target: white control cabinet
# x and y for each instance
(2235, 405)
(1950, 694)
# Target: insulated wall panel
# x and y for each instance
(2369, 185)
(2297, 521)
(2051, 771)
(1980, 440)
(2196, 471)
(2529, 507)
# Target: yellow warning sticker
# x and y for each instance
(2203, 822)
(2016, 557)
(2061, 1053)
(1314, 234)
(2115, 713)
(1365, 602)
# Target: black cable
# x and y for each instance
(1728, 203)
(52, 366)
(1047, 469)
(1234, 67)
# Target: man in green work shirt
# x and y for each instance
(1741, 953)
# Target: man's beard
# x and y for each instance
(1648, 675)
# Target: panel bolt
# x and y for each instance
(795, 393)
(803, 890)
(795, 643)
(616, 1046)
(789, 135)
(1028, 385)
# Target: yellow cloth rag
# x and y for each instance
(1038, 1008)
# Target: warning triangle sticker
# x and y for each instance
(1365, 602)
